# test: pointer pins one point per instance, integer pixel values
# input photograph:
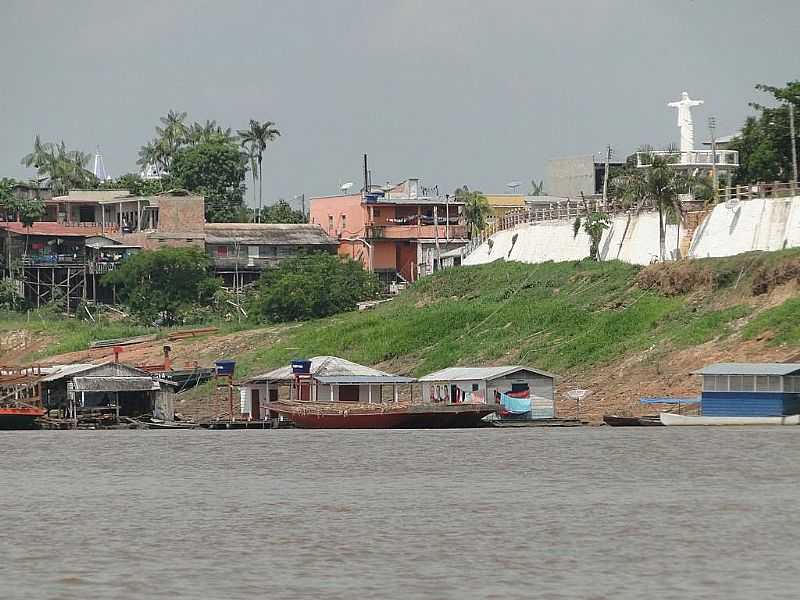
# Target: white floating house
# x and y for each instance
(325, 379)
(521, 392)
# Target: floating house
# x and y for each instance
(108, 387)
(522, 392)
(750, 389)
(322, 379)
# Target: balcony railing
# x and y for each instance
(412, 232)
(695, 158)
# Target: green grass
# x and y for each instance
(557, 316)
(781, 320)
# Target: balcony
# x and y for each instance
(414, 232)
(244, 263)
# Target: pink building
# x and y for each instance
(396, 231)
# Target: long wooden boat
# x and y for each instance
(341, 415)
(19, 417)
(623, 421)
(673, 419)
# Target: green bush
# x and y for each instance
(311, 286)
(164, 286)
(10, 300)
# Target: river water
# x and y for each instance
(545, 513)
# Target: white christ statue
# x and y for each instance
(684, 106)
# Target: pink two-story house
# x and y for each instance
(399, 231)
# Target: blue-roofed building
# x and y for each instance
(750, 389)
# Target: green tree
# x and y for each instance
(476, 209)
(659, 185)
(594, 224)
(65, 169)
(281, 212)
(764, 143)
(162, 285)
(215, 168)
(134, 183)
(312, 286)
(255, 139)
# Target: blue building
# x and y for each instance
(750, 389)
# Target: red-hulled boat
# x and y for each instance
(18, 416)
(339, 415)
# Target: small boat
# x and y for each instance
(624, 421)
(535, 423)
(18, 416)
(159, 424)
(339, 415)
(673, 419)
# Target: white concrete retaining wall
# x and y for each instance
(762, 224)
(554, 241)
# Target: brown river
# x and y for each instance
(527, 513)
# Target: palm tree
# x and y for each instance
(172, 135)
(40, 154)
(476, 209)
(257, 137)
(250, 152)
(659, 185)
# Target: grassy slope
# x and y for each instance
(557, 316)
(563, 317)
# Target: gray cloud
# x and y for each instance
(452, 91)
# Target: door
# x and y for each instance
(255, 404)
(348, 393)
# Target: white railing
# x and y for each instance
(695, 158)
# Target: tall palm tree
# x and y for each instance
(476, 209)
(258, 136)
(659, 185)
(172, 134)
(40, 154)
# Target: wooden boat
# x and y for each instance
(19, 416)
(341, 415)
(535, 423)
(623, 421)
(673, 419)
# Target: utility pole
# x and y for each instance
(712, 128)
(794, 147)
(605, 177)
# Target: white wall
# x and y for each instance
(554, 241)
(763, 224)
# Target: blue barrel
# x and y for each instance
(225, 367)
(301, 366)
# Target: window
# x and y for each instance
(330, 222)
(774, 383)
(376, 212)
(762, 383)
(344, 222)
(222, 251)
(735, 383)
(748, 383)
(475, 387)
(709, 383)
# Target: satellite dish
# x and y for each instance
(732, 203)
(346, 186)
(577, 394)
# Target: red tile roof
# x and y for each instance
(52, 229)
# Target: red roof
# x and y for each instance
(51, 229)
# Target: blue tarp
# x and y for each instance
(669, 400)
(515, 406)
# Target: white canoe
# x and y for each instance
(673, 419)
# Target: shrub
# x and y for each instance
(675, 278)
(9, 296)
(163, 286)
(312, 286)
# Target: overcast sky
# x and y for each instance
(454, 92)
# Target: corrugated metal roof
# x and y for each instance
(61, 371)
(325, 366)
(749, 369)
(115, 384)
(477, 373)
(268, 233)
(344, 379)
